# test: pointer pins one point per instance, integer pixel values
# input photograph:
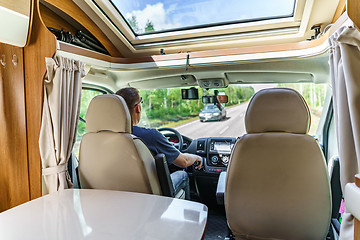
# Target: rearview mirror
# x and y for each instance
(190, 94)
(208, 99)
(222, 98)
(212, 99)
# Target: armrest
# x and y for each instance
(163, 172)
(220, 191)
(336, 193)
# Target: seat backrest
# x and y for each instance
(277, 185)
(110, 157)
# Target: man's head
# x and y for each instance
(133, 101)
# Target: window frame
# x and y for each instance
(207, 25)
(295, 25)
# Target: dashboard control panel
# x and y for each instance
(219, 159)
(215, 151)
(219, 150)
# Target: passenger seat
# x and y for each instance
(277, 184)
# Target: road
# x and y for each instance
(232, 126)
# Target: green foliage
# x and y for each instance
(314, 94)
(149, 26)
(133, 24)
(238, 94)
(86, 96)
(163, 106)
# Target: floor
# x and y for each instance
(216, 226)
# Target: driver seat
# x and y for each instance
(110, 157)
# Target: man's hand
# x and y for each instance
(186, 159)
(198, 162)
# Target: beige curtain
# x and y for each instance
(345, 76)
(62, 95)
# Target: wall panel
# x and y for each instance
(42, 44)
(14, 177)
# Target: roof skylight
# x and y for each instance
(147, 16)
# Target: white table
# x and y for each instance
(100, 214)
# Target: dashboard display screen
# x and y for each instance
(223, 146)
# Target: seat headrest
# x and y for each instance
(277, 110)
(108, 112)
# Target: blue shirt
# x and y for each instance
(156, 142)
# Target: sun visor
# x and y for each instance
(165, 82)
(268, 77)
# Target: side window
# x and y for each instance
(86, 95)
(332, 149)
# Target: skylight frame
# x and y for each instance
(109, 10)
(135, 44)
(123, 18)
(204, 26)
(220, 24)
(220, 30)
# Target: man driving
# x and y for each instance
(157, 143)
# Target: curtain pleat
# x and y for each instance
(61, 108)
(345, 77)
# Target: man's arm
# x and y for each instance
(186, 159)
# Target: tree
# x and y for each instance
(149, 27)
(133, 24)
(166, 105)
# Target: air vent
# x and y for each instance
(201, 146)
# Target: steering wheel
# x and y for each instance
(178, 145)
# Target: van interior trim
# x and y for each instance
(306, 16)
(114, 28)
(279, 55)
(16, 27)
(114, 20)
(237, 37)
(305, 48)
(275, 23)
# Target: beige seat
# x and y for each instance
(277, 185)
(110, 157)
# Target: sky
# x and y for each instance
(168, 14)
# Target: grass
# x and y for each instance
(183, 121)
(159, 123)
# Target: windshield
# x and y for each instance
(166, 108)
(210, 107)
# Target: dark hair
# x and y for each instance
(130, 95)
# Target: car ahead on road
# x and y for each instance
(212, 112)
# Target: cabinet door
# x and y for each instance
(16, 14)
(14, 176)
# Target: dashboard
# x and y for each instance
(215, 151)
